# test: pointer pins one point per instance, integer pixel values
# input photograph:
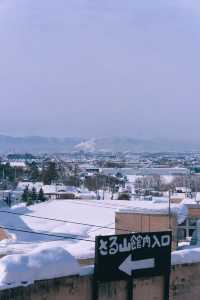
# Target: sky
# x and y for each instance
(95, 68)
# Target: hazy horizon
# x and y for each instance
(89, 69)
(111, 137)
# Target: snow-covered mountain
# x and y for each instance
(35, 144)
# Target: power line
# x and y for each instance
(54, 235)
(46, 234)
(64, 221)
(73, 222)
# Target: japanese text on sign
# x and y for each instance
(113, 246)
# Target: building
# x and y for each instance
(187, 227)
(3, 234)
(147, 216)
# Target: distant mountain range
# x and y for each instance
(34, 144)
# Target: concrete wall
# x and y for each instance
(184, 285)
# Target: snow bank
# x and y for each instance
(98, 212)
(41, 263)
(187, 256)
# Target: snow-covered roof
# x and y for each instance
(99, 213)
(192, 203)
(78, 232)
(48, 189)
(86, 195)
(52, 189)
(180, 196)
(18, 164)
(23, 184)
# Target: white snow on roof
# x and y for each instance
(133, 178)
(98, 212)
(87, 195)
(191, 202)
(18, 164)
(55, 188)
(23, 184)
(167, 178)
(51, 189)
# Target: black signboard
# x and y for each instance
(120, 257)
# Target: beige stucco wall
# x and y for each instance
(185, 285)
(175, 199)
(3, 234)
(138, 222)
(194, 212)
(185, 282)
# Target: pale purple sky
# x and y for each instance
(95, 68)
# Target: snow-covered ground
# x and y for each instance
(97, 216)
(99, 213)
(186, 256)
(30, 252)
(77, 224)
(92, 212)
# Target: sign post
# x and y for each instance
(129, 256)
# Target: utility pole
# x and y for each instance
(15, 173)
(169, 210)
(104, 184)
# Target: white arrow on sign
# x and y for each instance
(130, 265)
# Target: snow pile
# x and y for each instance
(41, 263)
(85, 214)
(99, 213)
(149, 207)
(187, 256)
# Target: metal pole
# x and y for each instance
(166, 285)
(95, 289)
(130, 289)
(169, 210)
